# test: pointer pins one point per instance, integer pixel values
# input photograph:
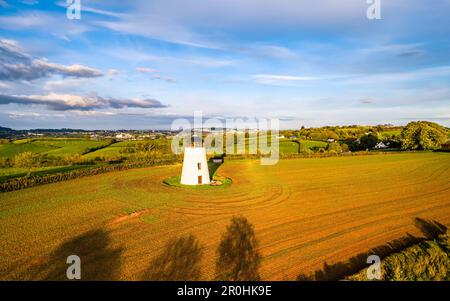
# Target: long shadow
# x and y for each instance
(238, 258)
(212, 167)
(431, 229)
(98, 260)
(180, 261)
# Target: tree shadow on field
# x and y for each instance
(98, 260)
(180, 261)
(431, 229)
(238, 258)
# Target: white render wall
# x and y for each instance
(190, 172)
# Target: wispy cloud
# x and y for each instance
(51, 23)
(4, 4)
(29, 2)
(153, 27)
(279, 80)
(89, 9)
(170, 80)
(113, 72)
(366, 101)
(146, 70)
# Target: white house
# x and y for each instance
(195, 167)
(381, 145)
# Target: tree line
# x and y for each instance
(416, 135)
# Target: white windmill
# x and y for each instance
(195, 167)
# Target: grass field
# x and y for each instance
(117, 149)
(310, 144)
(305, 212)
(15, 172)
(57, 147)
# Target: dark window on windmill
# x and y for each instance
(199, 166)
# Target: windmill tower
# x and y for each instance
(195, 167)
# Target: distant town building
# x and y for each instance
(124, 136)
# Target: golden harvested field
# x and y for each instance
(305, 212)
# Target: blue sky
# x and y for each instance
(142, 64)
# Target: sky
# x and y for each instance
(143, 64)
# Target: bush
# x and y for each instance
(334, 148)
(345, 148)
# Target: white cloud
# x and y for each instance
(64, 102)
(280, 80)
(113, 72)
(146, 70)
(16, 64)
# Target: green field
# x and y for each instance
(64, 147)
(15, 172)
(118, 149)
(50, 146)
(310, 144)
(11, 149)
(305, 212)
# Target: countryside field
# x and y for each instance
(69, 154)
(305, 212)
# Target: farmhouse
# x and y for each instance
(381, 145)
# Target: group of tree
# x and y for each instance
(417, 135)
(423, 135)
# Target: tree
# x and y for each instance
(334, 147)
(237, 256)
(345, 148)
(24, 160)
(423, 135)
(368, 141)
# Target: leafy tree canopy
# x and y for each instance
(423, 135)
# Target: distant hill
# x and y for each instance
(3, 129)
(6, 132)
